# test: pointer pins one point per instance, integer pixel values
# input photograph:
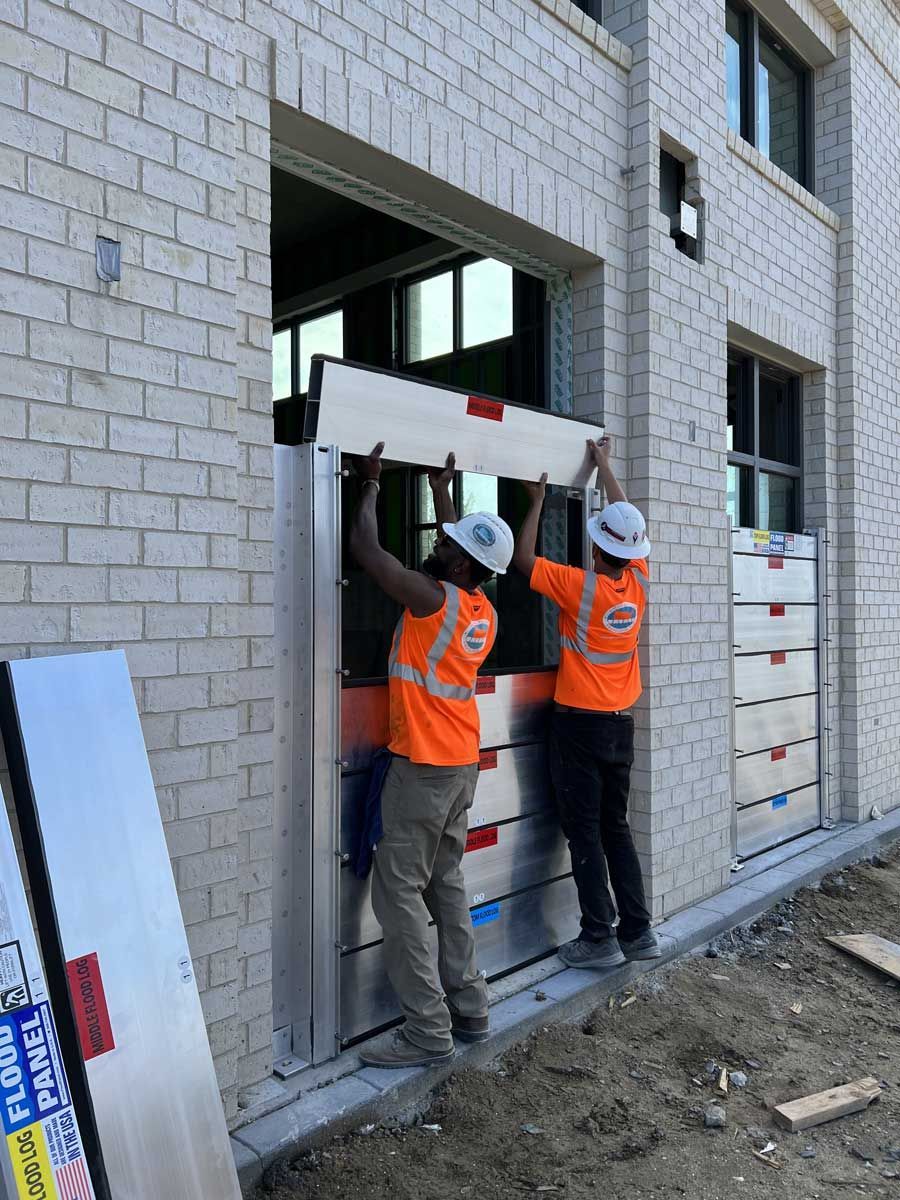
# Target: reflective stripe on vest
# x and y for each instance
(430, 682)
(585, 608)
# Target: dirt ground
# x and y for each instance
(614, 1106)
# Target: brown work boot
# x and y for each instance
(399, 1051)
(471, 1029)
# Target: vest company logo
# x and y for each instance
(475, 635)
(621, 619)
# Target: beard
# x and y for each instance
(435, 568)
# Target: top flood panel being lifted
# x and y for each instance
(355, 407)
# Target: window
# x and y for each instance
(469, 305)
(769, 93)
(294, 346)
(764, 445)
(683, 220)
(593, 8)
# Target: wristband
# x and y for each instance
(374, 482)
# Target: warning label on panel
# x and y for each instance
(14, 991)
(489, 410)
(485, 914)
(487, 760)
(89, 1003)
(485, 685)
(478, 839)
(767, 542)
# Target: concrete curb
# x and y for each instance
(366, 1095)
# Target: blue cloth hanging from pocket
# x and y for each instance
(370, 827)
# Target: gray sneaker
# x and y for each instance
(644, 946)
(587, 955)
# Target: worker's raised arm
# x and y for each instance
(601, 452)
(441, 481)
(421, 595)
(526, 543)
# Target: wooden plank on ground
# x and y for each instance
(876, 951)
(827, 1106)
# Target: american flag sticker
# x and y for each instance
(72, 1182)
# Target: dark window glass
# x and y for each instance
(778, 417)
(671, 183)
(780, 102)
(777, 502)
(740, 406)
(593, 8)
(735, 49)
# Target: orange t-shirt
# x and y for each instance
(431, 679)
(599, 621)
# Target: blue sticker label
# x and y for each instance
(780, 802)
(32, 1083)
(485, 914)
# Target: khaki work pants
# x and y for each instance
(417, 877)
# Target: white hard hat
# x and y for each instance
(620, 530)
(485, 537)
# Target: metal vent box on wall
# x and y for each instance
(100, 873)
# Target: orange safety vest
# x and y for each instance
(431, 679)
(599, 622)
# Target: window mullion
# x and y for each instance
(457, 309)
(754, 400)
(753, 78)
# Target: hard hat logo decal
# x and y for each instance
(484, 535)
(475, 635)
(621, 619)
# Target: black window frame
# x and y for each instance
(293, 324)
(754, 28)
(750, 368)
(455, 268)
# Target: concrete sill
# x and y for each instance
(593, 33)
(752, 157)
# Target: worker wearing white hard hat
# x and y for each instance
(592, 730)
(446, 631)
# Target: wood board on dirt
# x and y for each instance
(876, 951)
(797, 1115)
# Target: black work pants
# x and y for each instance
(590, 764)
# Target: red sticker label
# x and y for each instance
(485, 685)
(777, 658)
(779, 753)
(776, 610)
(489, 410)
(478, 839)
(487, 760)
(89, 1003)
(776, 564)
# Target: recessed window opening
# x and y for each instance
(765, 458)
(769, 93)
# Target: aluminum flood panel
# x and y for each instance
(781, 769)
(512, 708)
(767, 578)
(158, 1111)
(354, 407)
(777, 820)
(507, 933)
(774, 676)
(511, 857)
(777, 723)
(766, 627)
(512, 782)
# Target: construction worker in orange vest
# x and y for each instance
(592, 730)
(445, 633)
